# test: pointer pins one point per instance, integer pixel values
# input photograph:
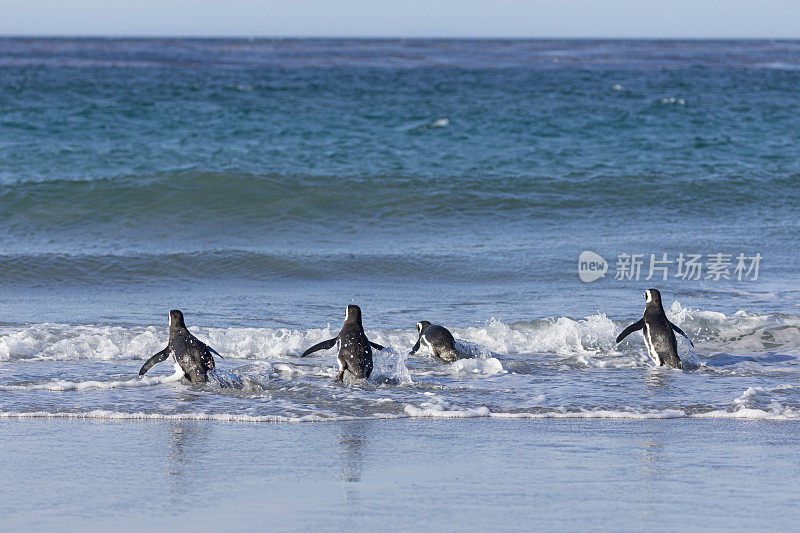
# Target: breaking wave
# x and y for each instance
(589, 341)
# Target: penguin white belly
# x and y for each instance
(176, 366)
(651, 349)
(339, 346)
(428, 344)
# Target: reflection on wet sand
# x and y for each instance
(187, 441)
(352, 444)
(656, 378)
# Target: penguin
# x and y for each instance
(193, 356)
(354, 351)
(658, 332)
(438, 339)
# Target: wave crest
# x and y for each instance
(589, 341)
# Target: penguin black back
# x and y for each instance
(658, 335)
(658, 332)
(355, 350)
(193, 356)
(438, 339)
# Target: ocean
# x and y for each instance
(522, 193)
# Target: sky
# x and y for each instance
(405, 18)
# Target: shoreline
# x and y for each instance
(744, 414)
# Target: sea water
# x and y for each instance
(262, 185)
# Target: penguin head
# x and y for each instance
(422, 325)
(353, 315)
(176, 320)
(652, 298)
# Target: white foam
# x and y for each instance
(559, 335)
(435, 408)
(390, 364)
(599, 413)
(438, 407)
(219, 417)
(753, 392)
(63, 385)
(589, 341)
(489, 366)
(776, 412)
(740, 332)
(436, 411)
(63, 342)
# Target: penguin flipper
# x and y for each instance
(157, 358)
(376, 345)
(679, 330)
(416, 347)
(636, 326)
(212, 350)
(324, 345)
(208, 359)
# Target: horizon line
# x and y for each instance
(384, 37)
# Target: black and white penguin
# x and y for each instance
(193, 356)
(355, 350)
(658, 332)
(438, 339)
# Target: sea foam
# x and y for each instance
(590, 340)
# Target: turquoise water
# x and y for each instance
(263, 185)
(457, 179)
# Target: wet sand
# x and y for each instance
(475, 474)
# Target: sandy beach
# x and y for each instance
(403, 475)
